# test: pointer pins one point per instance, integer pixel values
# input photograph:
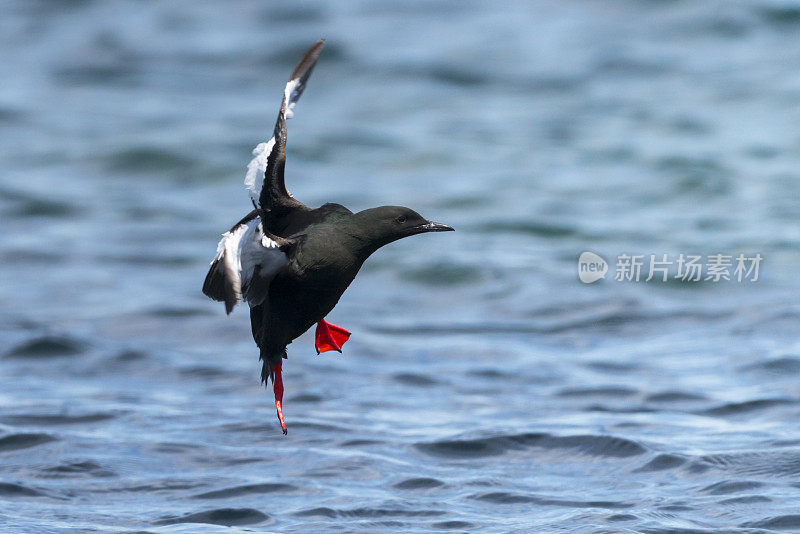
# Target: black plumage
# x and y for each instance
(292, 263)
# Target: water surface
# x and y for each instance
(485, 389)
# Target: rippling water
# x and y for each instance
(485, 388)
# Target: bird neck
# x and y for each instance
(364, 235)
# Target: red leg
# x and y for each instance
(329, 337)
(277, 388)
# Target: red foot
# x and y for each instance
(277, 388)
(329, 337)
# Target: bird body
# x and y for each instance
(292, 263)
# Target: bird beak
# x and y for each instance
(431, 226)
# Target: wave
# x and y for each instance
(55, 419)
(249, 489)
(661, 462)
(418, 483)
(47, 347)
(591, 445)
(373, 513)
(14, 442)
(736, 408)
(15, 490)
(502, 497)
(229, 517)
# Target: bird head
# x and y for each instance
(385, 224)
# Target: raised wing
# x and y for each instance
(245, 264)
(264, 176)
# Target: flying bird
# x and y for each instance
(291, 263)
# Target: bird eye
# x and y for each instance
(401, 219)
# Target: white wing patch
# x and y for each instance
(246, 254)
(254, 179)
(292, 95)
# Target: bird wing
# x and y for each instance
(264, 177)
(247, 259)
(249, 255)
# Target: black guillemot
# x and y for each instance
(291, 263)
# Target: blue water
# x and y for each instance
(485, 389)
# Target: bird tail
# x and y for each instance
(268, 360)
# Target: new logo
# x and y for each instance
(591, 267)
